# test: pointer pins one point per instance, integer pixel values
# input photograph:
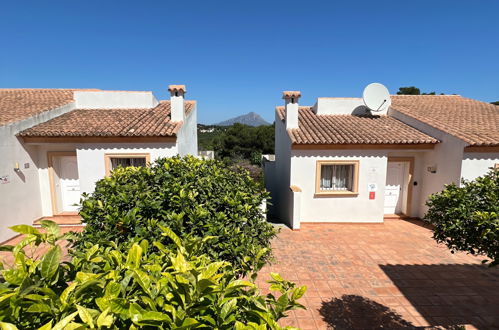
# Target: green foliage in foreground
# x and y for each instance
(105, 288)
(466, 217)
(189, 195)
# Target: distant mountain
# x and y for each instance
(250, 119)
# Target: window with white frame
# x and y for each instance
(337, 177)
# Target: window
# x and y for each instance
(115, 160)
(337, 177)
(125, 162)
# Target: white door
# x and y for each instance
(394, 192)
(69, 183)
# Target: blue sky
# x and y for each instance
(237, 57)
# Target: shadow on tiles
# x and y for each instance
(448, 294)
(357, 312)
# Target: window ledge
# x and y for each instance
(336, 193)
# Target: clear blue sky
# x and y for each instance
(237, 56)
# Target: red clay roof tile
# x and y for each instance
(20, 104)
(111, 122)
(475, 122)
(349, 129)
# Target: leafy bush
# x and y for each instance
(103, 287)
(465, 218)
(190, 196)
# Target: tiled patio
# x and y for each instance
(391, 275)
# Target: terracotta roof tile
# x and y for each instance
(177, 88)
(349, 129)
(19, 104)
(290, 94)
(111, 122)
(475, 122)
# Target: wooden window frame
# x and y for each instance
(107, 159)
(355, 183)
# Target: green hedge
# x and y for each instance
(466, 217)
(190, 196)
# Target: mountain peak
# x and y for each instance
(250, 119)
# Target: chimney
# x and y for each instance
(177, 102)
(291, 108)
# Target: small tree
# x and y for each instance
(466, 217)
(191, 196)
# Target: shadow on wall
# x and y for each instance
(450, 294)
(356, 312)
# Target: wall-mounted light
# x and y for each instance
(432, 169)
(16, 167)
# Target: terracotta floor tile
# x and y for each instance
(393, 269)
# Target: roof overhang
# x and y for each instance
(481, 149)
(419, 146)
(97, 139)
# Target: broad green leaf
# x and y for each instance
(113, 290)
(51, 227)
(65, 321)
(6, 248)
(104, 319)
(85, 316)
(179, 263)
(227, 308)
(134, 256)
(276, 277)
(50, 262)
(25, 229)
(237, 284)
(6, 296)
(47, 326)
(38, 308)
(299, 292)
(170, 234)
(7, 326)
(143, 279)
(65, 294)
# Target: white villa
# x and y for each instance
(338, 162)
(56, 143)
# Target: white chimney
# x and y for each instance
(291, 108)
(177, 102)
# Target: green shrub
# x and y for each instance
(465, 218)
(190, 196)
(104, 287)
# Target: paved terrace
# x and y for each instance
(391, 275)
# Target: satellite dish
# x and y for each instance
(376, 97)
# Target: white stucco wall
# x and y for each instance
(20, 198)
(187, 138)
(476, 164)
(91, 165)
(114, 99)
(372, 169)
(447, 156)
